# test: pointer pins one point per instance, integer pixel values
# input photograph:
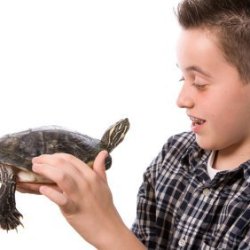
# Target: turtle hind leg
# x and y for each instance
(9, 215)
(10, 221)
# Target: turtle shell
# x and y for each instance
(18, 149)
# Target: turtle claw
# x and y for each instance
(11, 220)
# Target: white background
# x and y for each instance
(84, 65)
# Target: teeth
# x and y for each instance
(197, 120)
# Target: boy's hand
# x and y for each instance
(84, 198)
(81, 193)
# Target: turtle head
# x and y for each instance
(115, 134)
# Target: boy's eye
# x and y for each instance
(199, 86)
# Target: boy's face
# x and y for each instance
(216, 99)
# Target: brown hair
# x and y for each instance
(229, 20)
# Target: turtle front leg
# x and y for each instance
(9, 215)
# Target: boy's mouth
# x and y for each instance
(197, 123)
(196, 120)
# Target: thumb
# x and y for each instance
(99, 165)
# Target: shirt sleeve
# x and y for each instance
(144, 227)
(245, 243)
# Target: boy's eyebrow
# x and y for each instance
(197, 69)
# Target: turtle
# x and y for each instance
(18, 149)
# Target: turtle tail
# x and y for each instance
(9, 215)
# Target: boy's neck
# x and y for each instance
(229, 159)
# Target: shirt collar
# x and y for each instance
(246, 170)
(195, 156)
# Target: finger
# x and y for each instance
(31, 188)
(59, 159)
(54, 195)
(99, 165)
(65, 177)
(61, 199)
(40, 158)
(76, 162)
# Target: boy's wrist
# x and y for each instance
(118, 236)
(122, 239)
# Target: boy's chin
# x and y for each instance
(205, 144)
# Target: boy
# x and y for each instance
(196, 193)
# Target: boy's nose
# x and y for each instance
(185, 99)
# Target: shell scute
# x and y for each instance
(19, 149)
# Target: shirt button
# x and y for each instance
(182, 243)
(206, 191)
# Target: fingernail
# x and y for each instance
(34, 167)
(105, 153)
(34, 159)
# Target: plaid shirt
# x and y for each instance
(180, 207)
